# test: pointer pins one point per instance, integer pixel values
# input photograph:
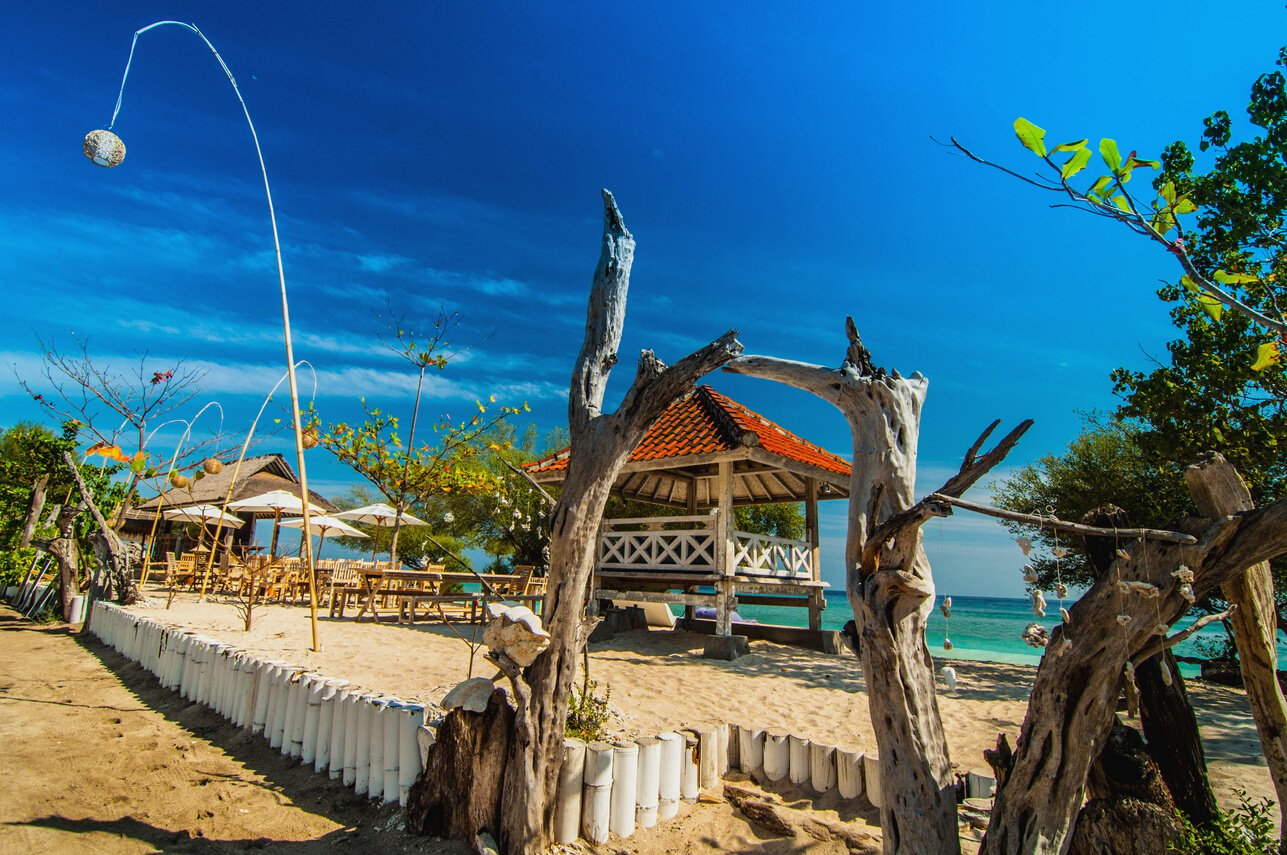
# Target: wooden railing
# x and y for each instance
(689, 543)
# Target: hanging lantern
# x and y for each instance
(104, 148)
(309, 438)
(212, 466)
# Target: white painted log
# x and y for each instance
(375, 740)
(339, 730)
(822, 767)
(979, 786)
(221, 681)
(426, 736)
(191, 665)
(209, 673)
(625, 784)
(278, 687)
(596, 795)
(362, 761)
(798, 759)
(296, 715)
(352, 721)
(325, 714)
(670, 773)
(247, 684)
(689, 770)
(849, 773)
(393, 716)
(871, 780)
(777, 755)
(732, 749)
(263, 677)
(711, 751)
(409, 765)
(567, 801)
(312, 689)
(750, 749)
(648, 783)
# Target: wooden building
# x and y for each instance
(706, 455)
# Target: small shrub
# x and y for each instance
(587, 712)
(1246, 830)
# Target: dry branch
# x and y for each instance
(1064, 525)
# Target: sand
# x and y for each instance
(657, 681)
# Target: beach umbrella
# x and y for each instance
(324, 525)
(204, 514)
(277, 503)
(381, 515)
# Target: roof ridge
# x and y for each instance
(733, 433)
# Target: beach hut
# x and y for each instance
(706, 455)
(259, 474)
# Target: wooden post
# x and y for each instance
(817, 600)
(822, 767)
(625, 784)
(672, 760)
(689, 771)
(596, 798)
(798, 759)
(567, 802)
(750, 749)
(849, 773)
(724, 551)
(777, 755)
(648, 788)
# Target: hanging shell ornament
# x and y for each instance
(1166, 672)
(946, 607)
(1123, 555)
(309, 438)
(1059, 552)
(212, 466)
(1064, 646)
(947, 643)
(104, 148)
(1025, 543)
(1145, 589)
(1123, 619)
(1161, 629)
(1038, 604)
(1067, 618)
(1184, 574)
(949, 677)
(1186, 591)
(1029, 573)
(1061, 590)
(1036, 635)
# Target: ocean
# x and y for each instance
(983, 629)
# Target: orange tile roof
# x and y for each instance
(704, 422)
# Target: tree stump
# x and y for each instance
(459, 792)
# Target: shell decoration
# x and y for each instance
(1067, 618)
(949, 677)
(1036, 635)
(1025, 543)
(1038, 604)
(104, 148)
(1123, 619)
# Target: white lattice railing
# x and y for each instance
(761, 555)
(693, 548)
(689, 548)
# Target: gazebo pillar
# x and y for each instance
(724, 587)
(817, 597)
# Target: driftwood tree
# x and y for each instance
(889, 581)
(1117, 626)
(601, 443)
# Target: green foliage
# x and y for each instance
(780, 520)
(1246, 830)
(1104, 464)
(588, 712)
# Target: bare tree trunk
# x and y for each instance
(601, 443)
(66, 552)
(118, 564)
(1074, 695)
(890, 586)
(33, 514)
(1218, 490)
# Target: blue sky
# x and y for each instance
(775, 164)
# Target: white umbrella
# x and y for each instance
(324, 525)
(379, 514)
(205, 514)
(275, 502)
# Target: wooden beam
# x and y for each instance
(656, 597)
(1063, 525)
(811, 526)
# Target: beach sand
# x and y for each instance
(658, 681)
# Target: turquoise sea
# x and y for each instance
(983, 629)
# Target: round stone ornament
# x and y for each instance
(104, 148)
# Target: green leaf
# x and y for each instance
(1168, 193)
(1101, 184)
(138, 464)
(1190, 285)
(1112, 157)
(1120, 202)
(1267, 354)
(1071, 146)
(1226, 278)
(1032, 137)
(1213, 307)
(1076, 163)
(1184, 205)
(1151, 164)
(1162, 223)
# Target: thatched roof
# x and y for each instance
(257, 475)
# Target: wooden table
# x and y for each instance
(425, 586)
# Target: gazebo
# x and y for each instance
(706, 455)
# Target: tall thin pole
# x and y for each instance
(281, 278)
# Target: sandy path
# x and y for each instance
(100, 759)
